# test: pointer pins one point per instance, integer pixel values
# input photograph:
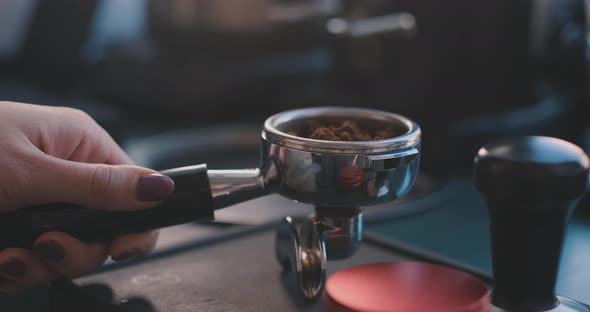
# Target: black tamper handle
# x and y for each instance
(531, 185)
(191, 201)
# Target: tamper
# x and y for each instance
(531, 185)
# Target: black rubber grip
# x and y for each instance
(190, 202)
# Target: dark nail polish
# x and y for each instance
(129, 254)
(12, 267)
(50, 251)
(154, 187)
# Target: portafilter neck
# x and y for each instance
(230, 187)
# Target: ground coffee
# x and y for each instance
(346, 130)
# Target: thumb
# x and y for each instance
(101, 186)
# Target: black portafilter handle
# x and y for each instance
(531, 185)
(191, 201)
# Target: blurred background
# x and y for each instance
(180, 82)
(466, 70)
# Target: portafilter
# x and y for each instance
(330, 174)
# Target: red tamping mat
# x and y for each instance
(405, 287)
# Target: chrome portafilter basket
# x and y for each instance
(338, 178)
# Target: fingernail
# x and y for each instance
(154, 187)
(129, 254)
(50, 251)
(12, 267)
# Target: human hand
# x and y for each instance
(58, 154)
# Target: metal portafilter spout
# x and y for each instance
(333, 175)
(304, 245)
(531, 185)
